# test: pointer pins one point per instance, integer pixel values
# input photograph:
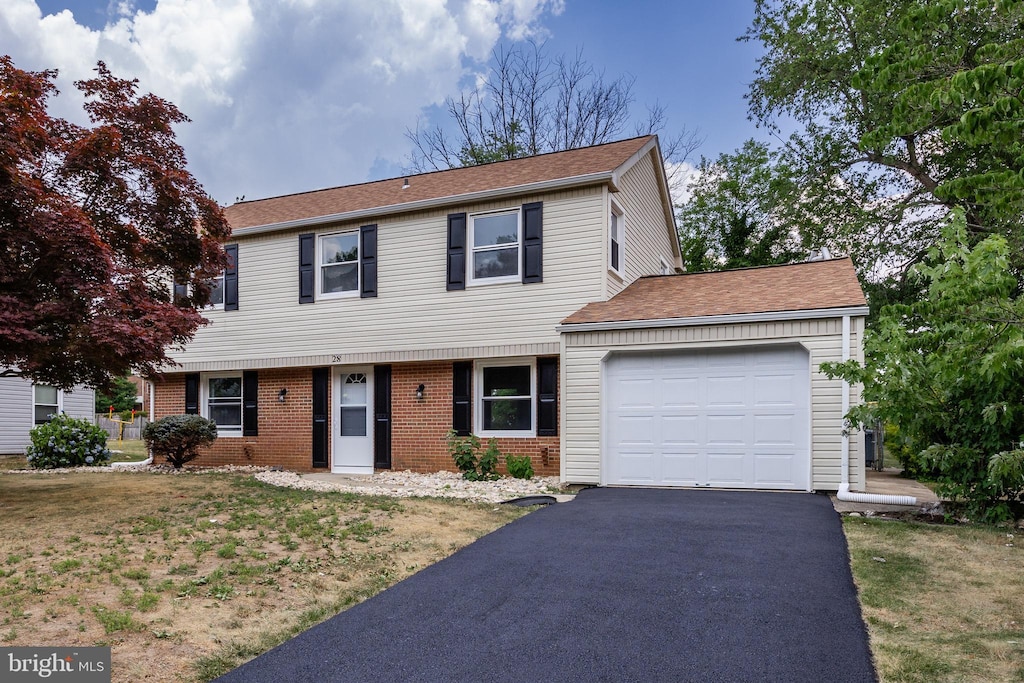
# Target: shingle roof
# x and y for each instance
(797, 287)
(437, 185)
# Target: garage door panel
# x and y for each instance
(727, 468)
(681, 467)
(680, 392)
(775, 390)
(726, 430)
(738, 418)
(680, 430)
(773, 469)
(633, 393)
(775, 430)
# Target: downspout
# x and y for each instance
(844, 492)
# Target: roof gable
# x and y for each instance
(813, 285)
(601, 163)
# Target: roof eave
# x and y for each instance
(725, 319)
(608, 177)
(653, 146)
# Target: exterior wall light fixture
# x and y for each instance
(281, 394)
(420, 392)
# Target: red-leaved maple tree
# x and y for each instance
(95, 223)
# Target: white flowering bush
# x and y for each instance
(67, 442)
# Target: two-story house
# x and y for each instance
(356, 325)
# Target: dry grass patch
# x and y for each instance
(185, 576)
(942, 603)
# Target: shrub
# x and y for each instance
(519, 467)
(67, 442)
(474, 466)
(178, 438)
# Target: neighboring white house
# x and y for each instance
(23, 405)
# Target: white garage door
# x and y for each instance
(735, 419)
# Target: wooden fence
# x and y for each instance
(132, 430)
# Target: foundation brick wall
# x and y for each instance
(418, 427)
(286, 429)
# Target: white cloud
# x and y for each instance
(284, 96)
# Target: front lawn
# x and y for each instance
(187, 575)
(942, 603)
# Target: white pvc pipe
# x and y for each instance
(844, 492)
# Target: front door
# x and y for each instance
(353, 421)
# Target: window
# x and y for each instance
(45, 403)
(494, 244)
(224, 403)
(665, 268)
(216, 292)
(339, 263)
(616, 232)
(506, 395)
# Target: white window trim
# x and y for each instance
(204, 397)
(473, 281)
(616, 210)
(320, 293)
(60, 404)
(665, 268)
(478, 398)
(220, 306)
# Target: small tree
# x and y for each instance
(949, 371)
(122, 396)
(178, 438)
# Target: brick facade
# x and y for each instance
(418, 426)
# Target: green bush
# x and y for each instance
(473, 465)
(67, 442)
(178, 438)
(519, 467)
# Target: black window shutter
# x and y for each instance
(307, 255)
(250, 403)
(368, 261)
(321, 376)
(547, 397)
(462, 398)
(456, 251)
(192, 394)
(533, 240)
(382, 417)
(231, 278)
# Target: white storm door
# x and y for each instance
(352, 421)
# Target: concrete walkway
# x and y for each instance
(889, 482)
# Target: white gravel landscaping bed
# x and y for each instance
(408, 484)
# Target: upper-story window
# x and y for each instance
(617, 236)
(339, 263)
(45, 403)
(664, 268)
(217, 292)
(494, 241)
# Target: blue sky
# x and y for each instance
(293, 95)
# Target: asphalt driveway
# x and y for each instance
(618, 585)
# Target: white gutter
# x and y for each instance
(405, 207)
(770, 316)
(844, 492)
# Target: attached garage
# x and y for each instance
(713, 380)
(736, 418)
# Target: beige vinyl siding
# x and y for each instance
(648, 237)
(413, 315)
(15, 414)
(17, 417)
(585, 351)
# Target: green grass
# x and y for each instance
(942, 603)
(129, 450)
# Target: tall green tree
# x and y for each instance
(903, 110)
(735, 216)
(949, 370)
